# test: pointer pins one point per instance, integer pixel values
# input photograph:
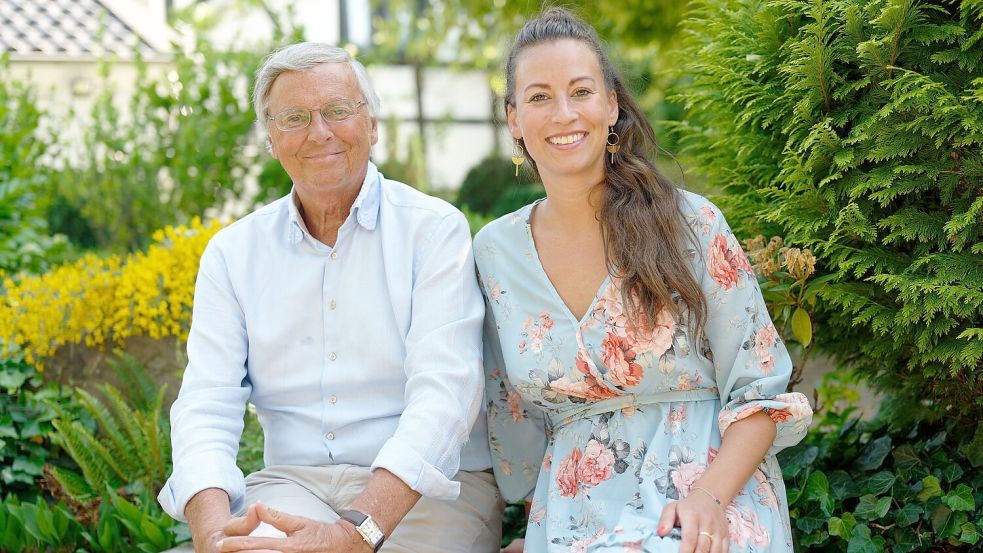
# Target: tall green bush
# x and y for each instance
(182, 147)
(24, 240)
(854, 128)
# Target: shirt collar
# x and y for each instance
(365, 208)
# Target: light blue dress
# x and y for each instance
(601, 425)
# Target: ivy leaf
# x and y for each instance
(973, 449)
(905, 457)
(817, 488)
(808, 524)
(944, 522)
(880, 482)
(970, 533)
(872, 508)
(802, 326)
(861, 542)
(952, 472)
(842, 527)
(842, 485)
(908, 514)
(930, 488)
(961, 499)
(873, 455)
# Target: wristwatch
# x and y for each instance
(368, 528)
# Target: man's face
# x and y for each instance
(324, 156)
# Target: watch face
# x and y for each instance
(371, 531)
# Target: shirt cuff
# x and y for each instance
(197, 473)
(415, 471)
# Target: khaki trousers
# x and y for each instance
(471, 523)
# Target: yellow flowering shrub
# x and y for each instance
(98, 300)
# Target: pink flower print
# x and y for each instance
(495, 292)
(547, 462)
(515, 407)
(765, 492)
(688, 381)
(654, 338)
(726, 260)
(594, 388)
(711, 455)
(676, 418)
(779, 415)
(796, 404)
(744, 527)
(534, 332)
(685, 476)
(764, 341)
(536, 512)
(580, 546)
(596, 464)
(566, 475)
(620, 359)
(505, 467)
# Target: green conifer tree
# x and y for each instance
(854, 128)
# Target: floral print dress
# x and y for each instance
(601, 424)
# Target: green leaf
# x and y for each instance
(960, 499)
(873, 454)
(880, 482)
(905, 457)
(842, 486)
(908, 514)
(808, 524)
(802, 326)
(952, 472)
(970, 533)
(842, 526)
(153, 534)
(944, 522)
(872, 508)
(930, 488)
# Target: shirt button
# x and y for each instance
(330, 436)
(333, 356)
(333, 304)
(333, 399)
(334, 255)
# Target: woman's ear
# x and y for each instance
(513, 122)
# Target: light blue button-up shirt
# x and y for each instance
(365, 353)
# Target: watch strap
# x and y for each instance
(359, 519)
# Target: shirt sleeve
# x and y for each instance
(442, 365)
(207, 417)
(750, 360)
(516, 428)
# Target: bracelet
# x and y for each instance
(704, 490)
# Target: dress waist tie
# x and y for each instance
(610, 405)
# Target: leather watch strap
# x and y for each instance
(366, 527)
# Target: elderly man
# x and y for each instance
(348, 313)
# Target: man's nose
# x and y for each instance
(320, 129)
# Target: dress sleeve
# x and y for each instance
(751, 364)
(516, 428)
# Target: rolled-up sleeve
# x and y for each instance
(442, 365)
(207, 417)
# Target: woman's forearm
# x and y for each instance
(743, 448)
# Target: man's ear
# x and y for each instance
(373, 130)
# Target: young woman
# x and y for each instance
(636, 383)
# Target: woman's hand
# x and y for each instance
(303, 535)
(702, 521)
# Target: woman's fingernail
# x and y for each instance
(218, 544)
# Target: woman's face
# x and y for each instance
(563, 110)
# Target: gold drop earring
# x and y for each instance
(518, 156)
(613, 143)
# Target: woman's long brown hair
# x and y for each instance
(641, 220)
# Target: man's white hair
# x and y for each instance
(301, 57)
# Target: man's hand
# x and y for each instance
(515, 546)
(303, 535)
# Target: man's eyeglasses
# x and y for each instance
(336, 111)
